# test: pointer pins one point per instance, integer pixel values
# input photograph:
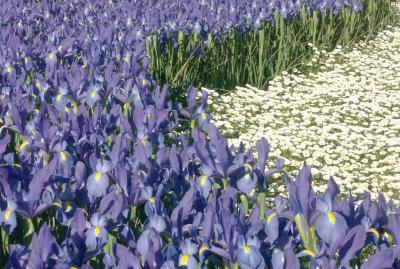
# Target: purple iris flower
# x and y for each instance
(204, 185)
(248, 181)
(98, 182)
(51, 58)
(157, 223)
(285, 259)
(187, 259)
(61, 101)
(271, 226)
(8, 217)
(331, 226)
(93, 94)
(248, 254)
(96, 235)
(8, 69)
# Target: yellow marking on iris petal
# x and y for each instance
(248, 166)
(247, 176)
(93, 93)
(66, 109)
(246, 249)
(98, 176)
(97, 231)
(126, 58)
(204, 116)
(270, 217)
(331, 217)
(309, 252)
(9, 69)
(152, 200)
(7, 214)
(202, 249)
(184, 260)
(126, 106)
(59, 48)
(57, 204)
(148, 116)
(203, 180)
(2, 127)
(374, 231)
(192, 123)
(26, 59)
(17, 165)
(34, 133)
(51, 55)
(74, 107)
(73, 267)
(143, 141)
(63, 155)
(68, 206)
(23, 145)
(58, 97)
(37, 84)
(144, 82)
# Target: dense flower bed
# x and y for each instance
(343, 118)
(220, 44)
(95, 171)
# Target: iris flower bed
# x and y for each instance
(95, 171)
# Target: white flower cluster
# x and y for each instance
(342, 119)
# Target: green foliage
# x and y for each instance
(257, 56)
